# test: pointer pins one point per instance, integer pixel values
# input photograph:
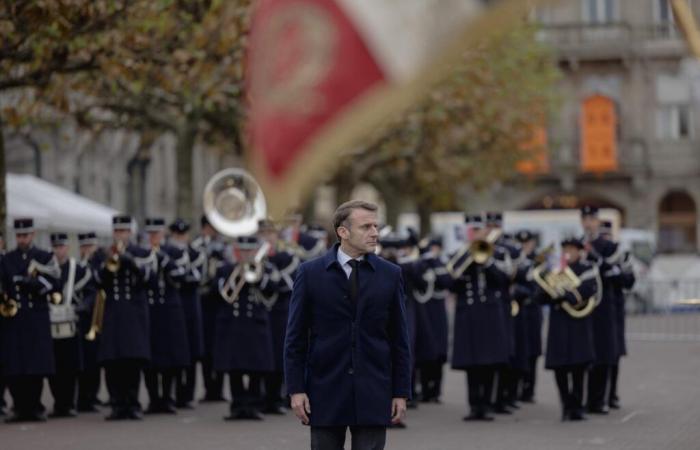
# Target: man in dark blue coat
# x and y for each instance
(194, 262)
(481, 342)
(30, 280)
(211, 256)
(125, 346)
(242, 337)
(607, 256)
(170, 351)
(347, 353)
(67, 339)
(90, 377)
(285, 262)
(570, 346)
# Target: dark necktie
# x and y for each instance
(353, 282)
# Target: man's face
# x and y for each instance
(360, 231)
(24, 240)
(529, 246)
(61, 252)
(244, 254)
(122, 235)
(208, 230)
(87, 250)
(270, 236)
(479, 233)
(180, 237)
(590, 224)
(155, 238)
(571, 253)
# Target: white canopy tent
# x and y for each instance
(54, 208)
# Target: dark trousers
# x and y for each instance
(570, 384)
(213, 381)
(26, 394)
(123, 380)
(598, 379)
(479, 385)
(614, 374)
(88, 387)
(159, 384)
(529, 380)
(3, 387)
(273, 390)
(333, 438)
(63, 388)
(245, 397)
(185, 384)
(431, 380)
(506, 386)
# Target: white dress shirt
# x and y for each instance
(343, 259)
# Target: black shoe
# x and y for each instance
(398, 425)
(134, 414)
(501, 409)
(576, 416)
(116, 415)
(154, 408)
(527, 399)
(213, 398)
(87, 409)
(184, 405)
(275, 410)
(236, 414)
(16, 418)
(513, 405)
(63, 413)
(412, 404)
(34, 417)
(598, 410)
(614, 404)
(254, 414)
(478, 417)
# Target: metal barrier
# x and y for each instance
(664, 310)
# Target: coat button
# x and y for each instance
(249, 314)
(235, 313)
(483, 298)
(470, 301)
(150, 300)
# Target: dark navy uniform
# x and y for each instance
(624, 282)
(432, 328)
(213, 252)
(570, 340)
(285, 263)
(170, 351)
(124, 354)
(90, 377)
(480, 339)
(29, 278)
(67, 339)
(242, 338)
(607, 256)
(194, 262)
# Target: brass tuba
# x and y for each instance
(556, 283)
(8, 307)
(234, 202)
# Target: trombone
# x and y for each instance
(249, 272)
(479, 250)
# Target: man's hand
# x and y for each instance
(302, 407)
(398, 409)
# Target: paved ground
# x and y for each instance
(660, 391)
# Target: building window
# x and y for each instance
(599, 11)
(673, 122)
(665, 24)
(598, 125)
(677, 223)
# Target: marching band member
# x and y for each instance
(242, 338)
(67, 339)
(29, 278)
(570, 347)
(170, 351)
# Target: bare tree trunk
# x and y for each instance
(186, 138)
(424, 211)
(393, 202)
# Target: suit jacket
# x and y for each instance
(350, 366)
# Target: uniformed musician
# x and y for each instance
(242, 338)
(67, 339)
(212, 255)
(607, 256)
(480, 338)
(29, 280)
(90, 378)
(195, 264)
(124, 348)
(570, 346)
(170, 351)
(623, 283)
(285, 261)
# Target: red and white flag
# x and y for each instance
(324, 73)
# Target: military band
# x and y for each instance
(173, 304)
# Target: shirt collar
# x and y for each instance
(343, 257)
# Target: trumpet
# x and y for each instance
(98, 314)
(480, 251)
(8, 307)
(114, 262)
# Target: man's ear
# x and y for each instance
(342, 232)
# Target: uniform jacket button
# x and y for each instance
(235, 313)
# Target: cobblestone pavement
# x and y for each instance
(660, 391)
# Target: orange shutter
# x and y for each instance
(598, 135)
(535, 149)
